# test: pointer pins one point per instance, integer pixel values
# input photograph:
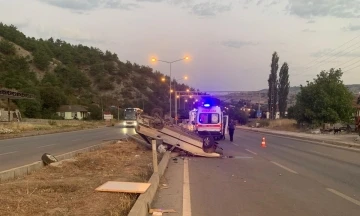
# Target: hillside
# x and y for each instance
(261, 95)
(60, 73)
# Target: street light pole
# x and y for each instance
(170, 63)
(175, 98)
(170, 90)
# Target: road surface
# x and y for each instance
(288, 177)
(21, 151)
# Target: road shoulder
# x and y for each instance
(325, 139)
(170, 191)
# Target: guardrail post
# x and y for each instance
(155, 159)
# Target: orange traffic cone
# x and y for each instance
(263, 143)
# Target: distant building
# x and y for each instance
(73, 112)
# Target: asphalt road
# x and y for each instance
(288, 177)
(21, 151)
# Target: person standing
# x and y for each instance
(231, 126)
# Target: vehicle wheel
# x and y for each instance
(157, 112)
(157, 124)
(208, 142)
(48, 159)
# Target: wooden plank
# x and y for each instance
(124, 187)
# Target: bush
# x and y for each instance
(52, 122)
(7, 48)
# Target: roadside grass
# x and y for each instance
(46, 125)
(277, 124)
(69, 187)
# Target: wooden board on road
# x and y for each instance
(124, 187)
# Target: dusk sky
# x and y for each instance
(230, 42)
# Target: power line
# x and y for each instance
(335, 49)
(341, 56)
(320, 63)
(351, 68)
(352, 64)
(328, 53)
(347, 62)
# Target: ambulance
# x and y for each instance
(210, 121)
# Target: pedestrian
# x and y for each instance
(231, 126)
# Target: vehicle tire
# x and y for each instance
(157, 123)
(208, 142)
(157, 112)
(48, 159)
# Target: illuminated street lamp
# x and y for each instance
(170, 63)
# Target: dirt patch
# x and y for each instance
(69, 188)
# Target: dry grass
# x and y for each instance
(278, 124)
(69, 189)
(283, 124)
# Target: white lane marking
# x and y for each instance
(186, 191)
(8, 153)
(284, 167)
(251, 152)
(46, 146)
(235, 144)
(356, 202)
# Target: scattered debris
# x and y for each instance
(164, 186)
(48, 159)
(161, 149)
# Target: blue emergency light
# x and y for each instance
(207, 105)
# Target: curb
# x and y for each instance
(29, 168)
(140, 208)
(354, 146)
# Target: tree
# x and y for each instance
(41, 59)
(95, 112)
(283, 88)
(272, 81)
(324, 100)
(7, 48)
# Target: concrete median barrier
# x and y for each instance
(141, 206)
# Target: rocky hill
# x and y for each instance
(60, 73)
